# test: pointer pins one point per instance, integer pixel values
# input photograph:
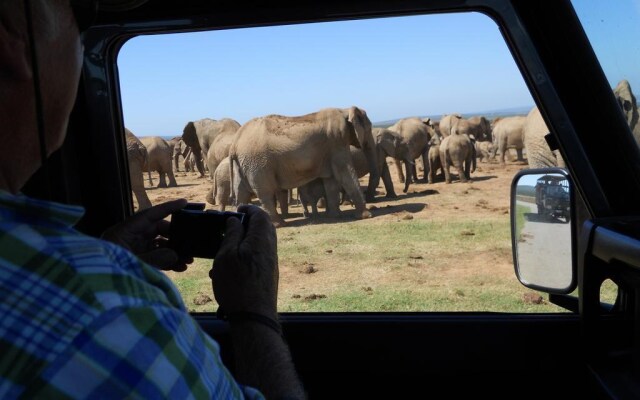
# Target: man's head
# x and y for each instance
(59, 57)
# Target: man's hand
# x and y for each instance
(245, 270)
(146, 234)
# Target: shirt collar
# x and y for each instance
(29, 207)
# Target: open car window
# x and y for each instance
(437, 247)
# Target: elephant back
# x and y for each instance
(135, 148)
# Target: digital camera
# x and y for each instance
(197, 233)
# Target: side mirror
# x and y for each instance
(542, 229)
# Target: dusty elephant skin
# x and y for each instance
(275, 153)
(416, 133)
(160, 155)
(457, 150)
(199, 136)
(137, 155)
(508, 133)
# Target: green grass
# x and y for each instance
(390, 265)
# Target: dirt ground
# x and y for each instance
(486, 194)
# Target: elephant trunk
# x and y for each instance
(374, 173)
(408, 165)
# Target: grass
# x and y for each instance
(388, 265)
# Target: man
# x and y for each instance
(84, 317)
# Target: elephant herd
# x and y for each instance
(324, 154)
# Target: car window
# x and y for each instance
(436, 247)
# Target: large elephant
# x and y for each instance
(219, 149)
(160, 157)
(388, 144)
(275, 153)
(538, 153)
(477, 127)
(137, 155)
(508, 133)
(458, 150)
(199, 136)
(416, 133)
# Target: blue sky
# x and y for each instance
(391, 67)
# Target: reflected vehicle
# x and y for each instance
(552, 197)
(543, 250)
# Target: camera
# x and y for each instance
(195, 232)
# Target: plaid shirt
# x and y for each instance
(84, 318)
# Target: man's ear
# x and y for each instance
(14, 55)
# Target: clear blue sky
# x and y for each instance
(391, 67)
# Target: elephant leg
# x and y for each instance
(408, 168)
(283, 199)
(388, 183)
(268, 201)
(399, 170)
(348, 179)
(162, 181)
(414, 172)
(332, 190)
(425, 164)
(519, 153)
(172, 179)
(503, 154)
(445, 167)
(461, 170)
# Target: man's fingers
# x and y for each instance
(161, 211)
(162, 258)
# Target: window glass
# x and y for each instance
(613, 28)
(437, 247)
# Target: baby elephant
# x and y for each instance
(220, 192)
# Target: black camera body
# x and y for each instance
(195, 232)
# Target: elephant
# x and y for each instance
(275, 153)
(199, 136)
(476, 128)
(628, 105)
(190, 161)
(220, 193)
(508, 133)
(416, 133)
(448, 122)
(458, 150)
(160, 157)
(180, 148)
(538, 153)
(388, 144)
(137, 156)
(485, 151)
(219, 148)
(434, 158)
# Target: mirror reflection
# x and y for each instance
(541, 210)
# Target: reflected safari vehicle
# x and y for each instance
(542, 251)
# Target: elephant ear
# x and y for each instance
(362, 126)
(387, 143)
(189, 135)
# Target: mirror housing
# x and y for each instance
(543, 229)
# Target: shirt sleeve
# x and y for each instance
(145, 352)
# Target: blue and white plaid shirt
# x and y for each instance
(84, 318)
